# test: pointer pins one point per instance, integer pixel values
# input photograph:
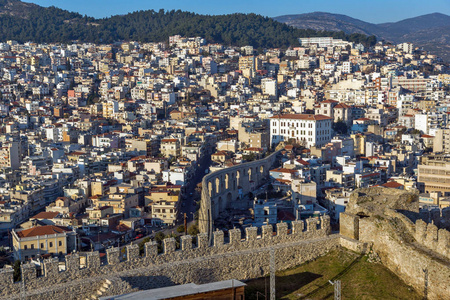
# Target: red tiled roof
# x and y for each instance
(392, 184)
(303, 162)
(42, 230)
(283, 170)
(285, 181)
(309, 117)
(45, 215)
(342, 105)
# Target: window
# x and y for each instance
(25, 247)
(42, 245)
(32, 246)
(51, 244)
(59, 243)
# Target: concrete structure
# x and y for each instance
(216, 290)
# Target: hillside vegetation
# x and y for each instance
(28, 22)
(360, 279)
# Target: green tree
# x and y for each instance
(340, 127)
(193, 230)
(180, 229)
(159, 236)
(17, 274)
(142, 245)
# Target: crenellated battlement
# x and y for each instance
(433, 238)
(189, 248)
(411, 242)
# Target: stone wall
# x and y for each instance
(433, 238)
(235, 257)
(405, 244)
(221, 189)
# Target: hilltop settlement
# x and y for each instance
(105, 144)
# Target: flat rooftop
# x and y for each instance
(178, 291)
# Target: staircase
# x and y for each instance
(101, 291)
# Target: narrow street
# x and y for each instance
(188, 202)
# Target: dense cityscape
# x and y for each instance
(107, 146)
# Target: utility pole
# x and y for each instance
(337, 289)
(425, 290)
(23, 296)
(272, 274)
(185, 224)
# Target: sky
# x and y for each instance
(373, 11)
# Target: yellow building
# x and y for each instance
(170, 147)
(164, 205)
(36, 241)
(249, 62)
(359, 144)
(121, 202)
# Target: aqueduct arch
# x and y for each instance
(221, 188)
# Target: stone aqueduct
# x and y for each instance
(224, 187)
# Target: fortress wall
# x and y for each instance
(241, 258)
(407, 249)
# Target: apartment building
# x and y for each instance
(254, 134)
(441, 141)
(10, 155)
(434, 173)
(164, 205)
(312, 130)
(249, 62)
(170, 147)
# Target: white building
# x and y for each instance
(312, 130)
(430, 122)
(269, 86)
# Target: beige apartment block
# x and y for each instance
(434, 173)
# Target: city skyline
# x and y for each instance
(376, 13)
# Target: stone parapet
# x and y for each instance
(113, 256)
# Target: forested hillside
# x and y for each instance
(29, 22)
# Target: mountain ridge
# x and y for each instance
(423, 31)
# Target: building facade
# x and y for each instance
(310, 130)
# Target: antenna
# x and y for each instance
(337, 289)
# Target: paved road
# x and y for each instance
(188, 205)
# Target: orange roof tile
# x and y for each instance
(42, 230)
(302, 117)
(45, 215)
